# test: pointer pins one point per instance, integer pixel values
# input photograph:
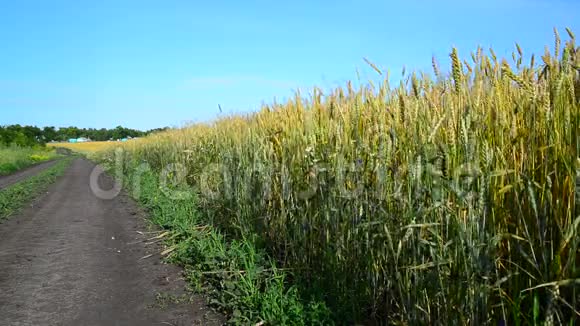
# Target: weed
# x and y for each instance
(15, 158)
(240, 279)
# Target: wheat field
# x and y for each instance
(448, 198)
(87, 147)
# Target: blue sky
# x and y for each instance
(146, 64)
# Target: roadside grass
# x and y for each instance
(15, 158)
(15, 196)
(446, 199)
(162, 300)
(236, 274)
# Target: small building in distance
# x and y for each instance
(79, 140)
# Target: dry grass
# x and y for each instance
(450, 200)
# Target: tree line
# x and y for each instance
(28, 136)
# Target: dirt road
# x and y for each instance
(75, 259)
(7, 180)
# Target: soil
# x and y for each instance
(74, 259)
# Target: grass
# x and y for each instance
(445, 199)
(15, 158)
(240, 279)
(15, 196)
(86, 147)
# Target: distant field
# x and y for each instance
(88, 147)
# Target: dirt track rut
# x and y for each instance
(75, 259)
(8, 180)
